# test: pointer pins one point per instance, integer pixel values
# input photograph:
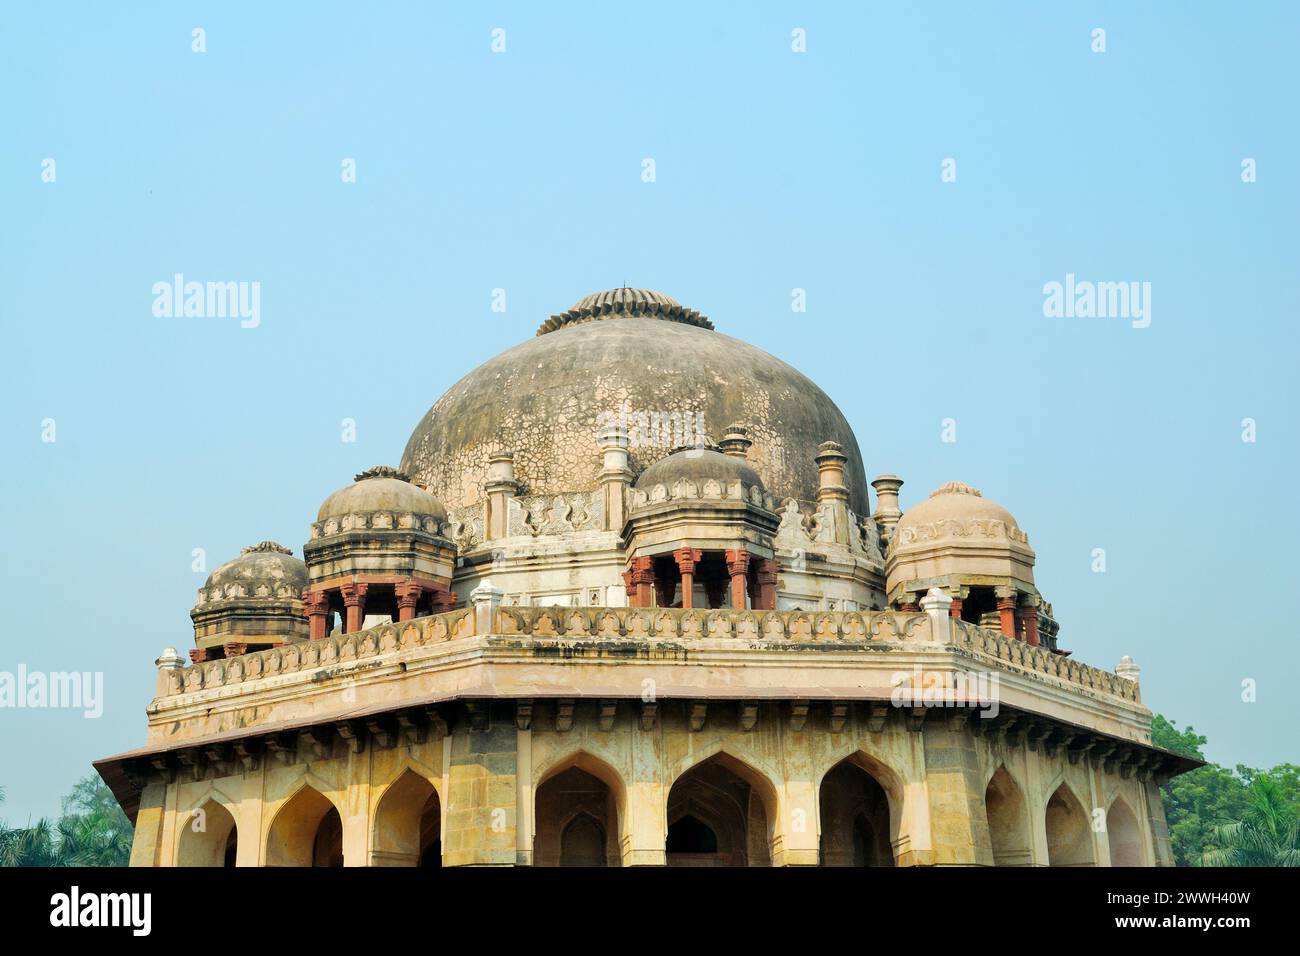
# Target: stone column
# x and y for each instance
(686, 558)
(1028, 614)
(444, 599)
(767, 578)
(738, 568)
(958, 595)
(615, 476)
(408, 595)
(1007, 610)
(937, 606)
(909, 604)
(831, 491)
(643, 576)
(499, 489)
(318, 609)
(954, 781)
(887, 510)
(354, 599)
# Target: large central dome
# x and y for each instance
(626, 352)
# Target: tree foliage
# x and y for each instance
(92, 831)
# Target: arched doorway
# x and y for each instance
(307, 831)
(1124, 836)
(408, 824)
(1069, 838)
(1004, 806)
(720, 813)
(855, 827)
(576, 816)
(209, 837)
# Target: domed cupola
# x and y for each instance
(699, 531)
(250, 603)
(973, 548)
(378, 548)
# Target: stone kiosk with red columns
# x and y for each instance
(975, 551)
(699, 531)
(377, 547)
(251, 603)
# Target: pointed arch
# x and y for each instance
(858, 819)
(579, 800)
(407, 822)
(729, 798)
(1124, 835)
(1008, 819)
(209, 835)
(1069, 834)
(886, 777)
(307, 830)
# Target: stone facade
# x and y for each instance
(535, 647)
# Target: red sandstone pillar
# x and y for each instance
(354, 599)
(641, 579)
(444, 599)
(408, 595)
(1028, 615)
(767, 573)
(686, 558)
(909, 605)
(955, 610)
(1007, 612)
(738, 568)
(318, 609)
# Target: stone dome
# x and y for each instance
(632, 355)
(381, 489)
(267, 571)
(698, 465)
(955, 501)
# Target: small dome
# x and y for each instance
(267, 570)
(698, 464)
(955, 501)
(381, 489)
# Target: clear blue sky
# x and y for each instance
(775, 170)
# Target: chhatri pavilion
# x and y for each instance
(626, 599)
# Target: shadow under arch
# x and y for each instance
(1069, 836)
(1124, 835)
(579, 813)
(860, 810)
(209, 836)
(888, 779)
(407, 826)
(307, 830)
(721, 811)
(1007, 814)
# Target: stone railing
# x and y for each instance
(997, 645)
(647, 624)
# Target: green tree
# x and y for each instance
(1267, 835)
(93, 831)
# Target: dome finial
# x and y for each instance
(625, 302)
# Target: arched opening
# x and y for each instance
(1124, 836)
(208, 838)
(576, 816)
(1004, 806)
(855, 827)
(1069, 838)
(720, 813)
(408, 824)
(307, 831)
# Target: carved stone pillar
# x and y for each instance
(887, 510)
(235, 648)
(738, 568)
(499, 489)
(444, 599)
(615, 477)
(1028, 614)
(1007, 610)
(318, 609)
(832, 495)
(958, 595)
(354, 599)
(643, 577)
(767, 575)
(408, 595)
(910, 604)
(686, 559)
